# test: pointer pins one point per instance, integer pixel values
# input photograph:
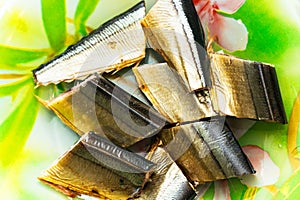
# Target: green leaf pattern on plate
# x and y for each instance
(13, 55)
(16, 127)
(83, 11)
(54, 18)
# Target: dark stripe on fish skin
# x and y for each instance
(135, 178)
(209, 147)
(204, 164)
(82, 42)
(102, 152)
(81, 170)
(199, 37)
(245, 82)
(159, 17)
(263, 81)
(194, 22)
(135, 106)
(223, 144)
(265, 91)
(129, 118)
(104, 146)
(273, 92)
(240, 170)
(96, 104)
(255, 85)
(167, 181)
(185, 145)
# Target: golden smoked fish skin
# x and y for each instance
(169, 95)
(173, 29)
(206, 151)
(116, 44)
(96, 167)
(98, 105)
(245, 89)
(167, 181)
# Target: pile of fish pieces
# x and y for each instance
(169, 136)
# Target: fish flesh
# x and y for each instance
(97, 104)
(116, 44)
(245, 89)
(192, 91)
(167, 181)
(96, 167)
(208, 146)
(173, 29)
(168, 93)
(229, 85)
(240, 88)
(206, 151)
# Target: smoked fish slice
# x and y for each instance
(245, 89)
(116, 44)
(206, 151)
(173, 28)
(126, 80)
(169, 95)
(96, 167)
(228, 85)
(167, 181)
(98, 105)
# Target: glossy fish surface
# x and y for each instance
(206, 151)
(173, 29)
(157, 130)
(98, 105)
(96, 167)
(116, 44)
(168, 93)
(167, 181)
(245, 89)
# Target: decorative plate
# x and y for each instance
(32, 137)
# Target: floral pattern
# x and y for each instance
(229, 33)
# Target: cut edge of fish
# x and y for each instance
(87, 141)
(271, 91)
(192, 22)
(115, 67)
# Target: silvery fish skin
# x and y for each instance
(245, 89)
(167, 181)
(206, 151)
(116, 44)
(173, 29)
(98, 105)
(96, 167)
(168, 93)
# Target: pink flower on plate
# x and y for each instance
(267, 172)
(229, 33)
